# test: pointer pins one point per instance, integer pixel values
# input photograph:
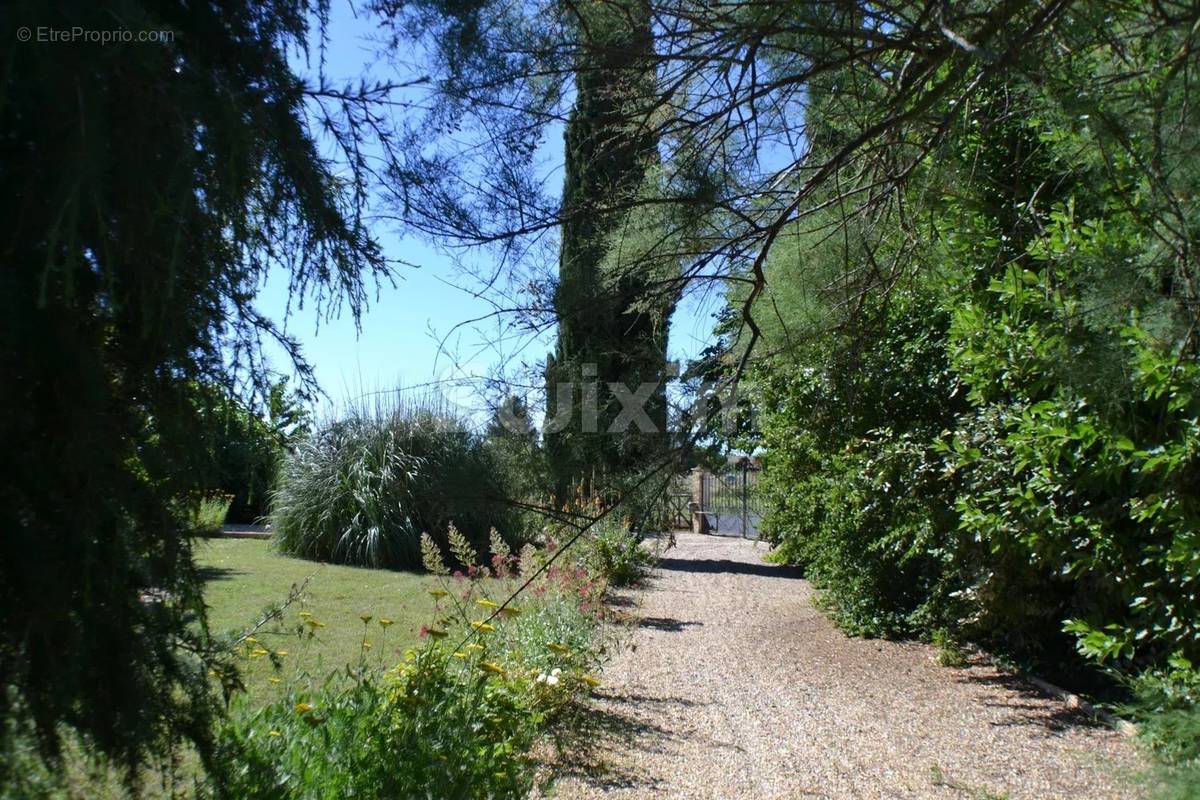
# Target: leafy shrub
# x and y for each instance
(1005, 447)
(855, 492)
(457, 718)
(613, 548)
(1087, 494)
(431, 726)
(244, 446)
(362, 489)
(618, 556)
(1166, 707)
(208, 518)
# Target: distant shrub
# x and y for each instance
(612, 548)
(243, 445)
(361, 490)
(208, 518)
(618, 556)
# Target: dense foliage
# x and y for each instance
(149, 188)
(981, 408)
(245, 446)
(961, 241)
(362, 489)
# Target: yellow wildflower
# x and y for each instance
(281, 653)
(303, 708)
(251, 640)
(460, 654)
(275, 733)
(480, 625)
(258, 652)
(366, 645)
(492, 667)
(558, 648)
(275, 680)
(439, 593)
(474, 646)
(589, 680)
(486, 603)
(383, 623)
(314, 623)
(305, 614)
(366, 618)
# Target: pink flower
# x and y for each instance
(423, 632)
(458, 575)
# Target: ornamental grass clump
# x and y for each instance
(361, 489)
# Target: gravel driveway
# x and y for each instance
(735, 686)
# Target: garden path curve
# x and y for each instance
(735, 686)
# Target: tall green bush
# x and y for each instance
(245, 446)
(1000, 440)
(362, 489)
(853, 487)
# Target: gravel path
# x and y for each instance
(735, 686)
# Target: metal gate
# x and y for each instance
(730, 501)
(679, 502)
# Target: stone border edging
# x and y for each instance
(1074, 701)
(1070, 699)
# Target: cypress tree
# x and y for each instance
(611, 326)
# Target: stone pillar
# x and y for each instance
(699, 502)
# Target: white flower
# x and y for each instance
(541, 678)
(554, 673)
(552, 680)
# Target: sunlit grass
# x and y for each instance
(245, 576)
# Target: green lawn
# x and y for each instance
(245, 576)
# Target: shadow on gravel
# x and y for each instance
(666, 624)
(1030, 705)
(645, 699)
(725, 565)
(582, 749)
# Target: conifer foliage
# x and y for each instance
(148, 187)
(612, 324)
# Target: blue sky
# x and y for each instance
(397, 341)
